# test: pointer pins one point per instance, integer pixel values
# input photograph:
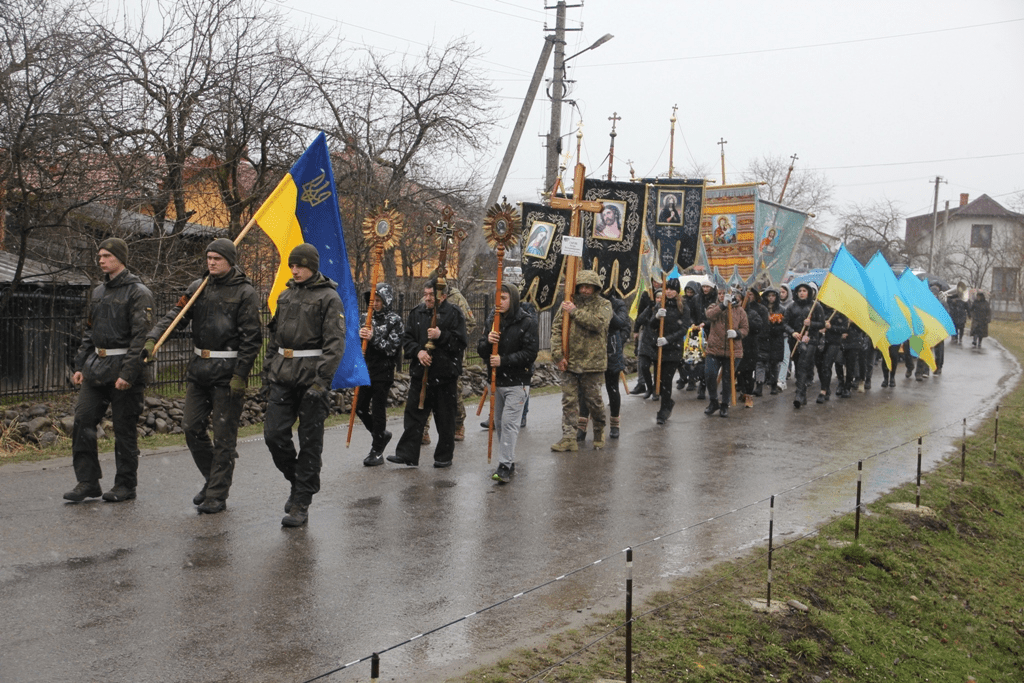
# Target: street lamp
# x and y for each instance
(597, 43)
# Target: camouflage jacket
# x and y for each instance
(455, 298)
(588, 334)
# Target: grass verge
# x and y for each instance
(918, 598)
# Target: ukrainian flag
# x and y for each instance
(303, 208)
(934, 318)
(903, 321)
(848, 289)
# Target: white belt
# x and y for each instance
(206, 353)
(292, 353)
(103, 353)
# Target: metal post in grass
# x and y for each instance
(374, 668)
(963, 453)
(919, 471)
(771, 531)
(629, 615)
(856, 523)
(995, 437)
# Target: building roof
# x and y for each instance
(982, 207)
(35, 272)
(134, 223)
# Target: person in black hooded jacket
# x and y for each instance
(518, 344)
(676, 315)
(384, 339)
(777, 341)
(690, 375)
(804, 320)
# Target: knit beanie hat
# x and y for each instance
(225, 248)
(672, 284)
(305, 255)
(118, 247)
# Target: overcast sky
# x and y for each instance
(880, 96)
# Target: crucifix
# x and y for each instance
(576, 204)
(446, 232)
(614, 118)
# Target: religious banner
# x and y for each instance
(672, 214)
(612, 238)
(727, 228)
(543, 229)
(778, 232)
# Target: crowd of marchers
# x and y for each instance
(720, 342)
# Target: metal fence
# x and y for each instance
(41, 329)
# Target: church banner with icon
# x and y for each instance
(612, 237)
(543, 229)
(727, 228)
(778, 232)
(672, 211)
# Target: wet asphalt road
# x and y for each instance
(150, 591)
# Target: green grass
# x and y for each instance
(917, 599)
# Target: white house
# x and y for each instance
(979, 242)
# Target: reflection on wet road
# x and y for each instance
(149, 591)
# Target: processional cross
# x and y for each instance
(576, 204)
(447, 232)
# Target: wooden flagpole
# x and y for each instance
(664, 297)
(496, 327)
(378, 252)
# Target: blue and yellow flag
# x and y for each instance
(848, 289)
(936, 321)
(304, 208)
(904, 323)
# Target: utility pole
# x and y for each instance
(935, 224)
(722, 142)
(556, 94)
(524, 114)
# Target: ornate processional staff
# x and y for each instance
(446, 232)
(381, 229)
(502, 230)
(576, 204)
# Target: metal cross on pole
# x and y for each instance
(447, 232)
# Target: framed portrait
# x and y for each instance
(670, 207)
(724, 229)
(608, 223)
(539, 241)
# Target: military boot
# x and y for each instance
(598, 438)
(614, 430)
(567, 444)
(298, 515)
(85, 489)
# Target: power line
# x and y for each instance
(926, 161)
(809, 46)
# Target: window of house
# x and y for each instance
(1004, 283)
(981, 236)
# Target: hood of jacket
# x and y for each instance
(235, 276)
(122, 279)
(513, 303)
(316, 282)
(694, 287)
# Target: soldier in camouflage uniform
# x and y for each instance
(304, 349)
(109, 369)
(583, 372)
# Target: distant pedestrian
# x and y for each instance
(981, 316)
(109, 369)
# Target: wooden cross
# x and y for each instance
(576, 204)
(447, 232)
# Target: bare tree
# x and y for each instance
(873, 226)
(412, 129)
(50, 160)
(809, 191)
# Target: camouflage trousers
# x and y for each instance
(582, 388)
